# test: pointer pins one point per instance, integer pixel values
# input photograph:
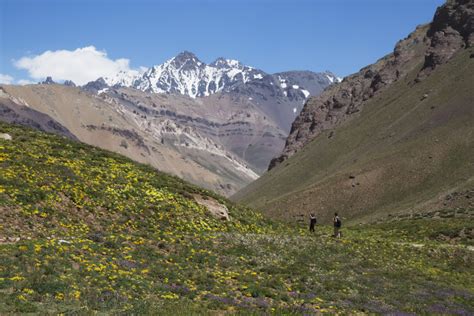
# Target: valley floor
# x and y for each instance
(419, 266)
(85, 231)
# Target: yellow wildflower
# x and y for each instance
(17, 278)
(23, 248)
(59, 296)
(28, 291)
(21, 297)
(76, 294)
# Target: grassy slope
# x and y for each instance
(99, 232)
(403, 151)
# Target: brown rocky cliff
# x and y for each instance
(451, 30)
(429, 45)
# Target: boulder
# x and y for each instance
(5, 136)
(215, 208)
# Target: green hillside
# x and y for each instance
(85, 231)
(410, 147)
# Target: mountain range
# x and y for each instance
(280, 95)
(215, 125)
(185, 74)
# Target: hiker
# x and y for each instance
(312, 222)
(337, 226)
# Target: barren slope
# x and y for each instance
(239, 127)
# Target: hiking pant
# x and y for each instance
(311, 227)
(336, 232)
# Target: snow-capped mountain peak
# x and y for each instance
(122, 78)
(186, 60)
(222, 62)
(186, 74)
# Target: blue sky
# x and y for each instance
(341, 36)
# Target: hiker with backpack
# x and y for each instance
(337, 226)
(312, 222)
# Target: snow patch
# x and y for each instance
(305, 92)
(102, 90)
(233, 62)
(333, 79)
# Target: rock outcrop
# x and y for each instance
(451, 30)
(216, 209)
(49, 80)
(69, 83)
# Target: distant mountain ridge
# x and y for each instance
(186, 74)
(280, 96)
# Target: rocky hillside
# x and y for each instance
(281, 96)
(430, 45)
(239, 127)
(390, 139)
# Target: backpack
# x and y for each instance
(338, 222)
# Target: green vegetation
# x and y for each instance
(410, 146)
(84, 231)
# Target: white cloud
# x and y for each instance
(6, 79)
(81, 65)
(25, 82)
